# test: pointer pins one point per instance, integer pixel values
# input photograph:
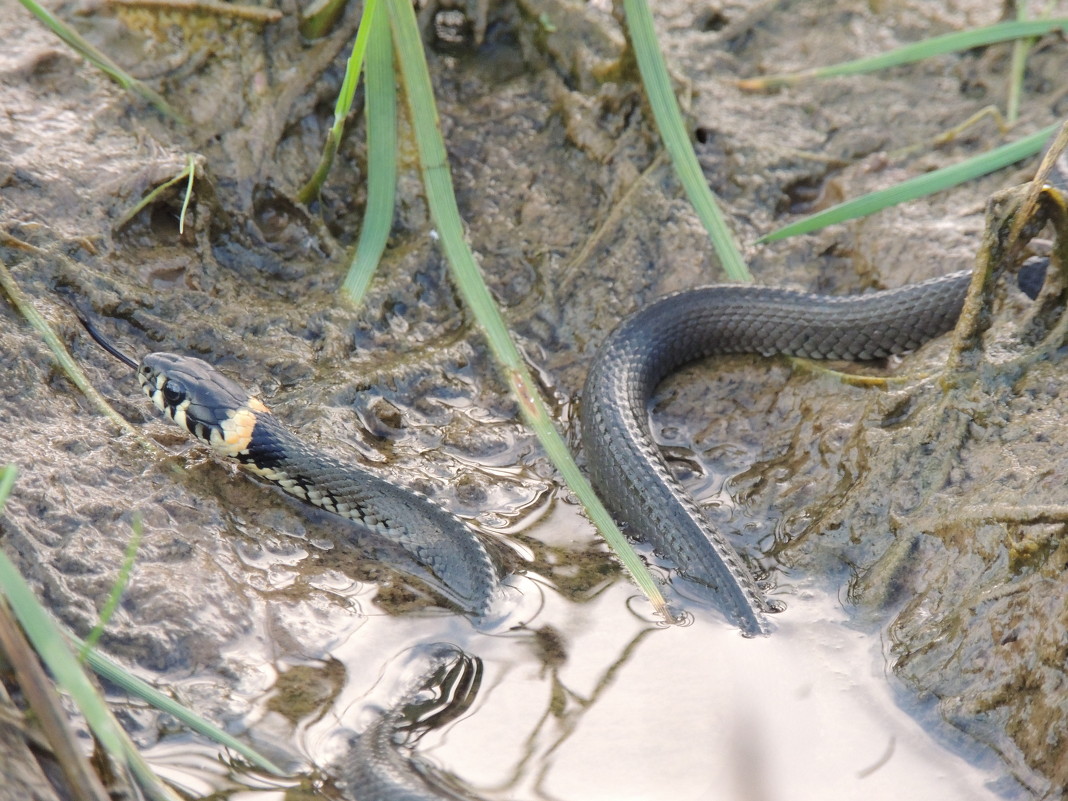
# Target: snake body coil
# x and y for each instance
(628, 470)
(236, 425)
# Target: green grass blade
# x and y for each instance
(191, 168)
(40, 628)
(117, 588)
(938, 45)
(318, 17)
(381, 106)
(99, 60)
(151, 783)
(919, 186)
(7, 481)
(50, 645)
(446, 215)
(122, 678)
(46, 709)
(342, 105)
(70, 367)
(187, 174)
(1020, 48)
(675, 135)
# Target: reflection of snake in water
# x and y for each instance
(236, 425)
(627, 468)
(381, 764)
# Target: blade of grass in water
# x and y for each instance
(342, 106)
(127, 681)
(949, 43)
(51, 646)
(118, 587)
(916, 187)
(381, 106)
(442, 201)
(674, 133)
(98, 59)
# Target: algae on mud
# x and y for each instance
(576, 222)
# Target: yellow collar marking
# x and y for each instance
(236, 430)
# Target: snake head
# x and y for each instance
(207, 404)
(445, 689)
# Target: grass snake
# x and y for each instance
(628, 470)
(238, 426)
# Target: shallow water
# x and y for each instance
(618, 707)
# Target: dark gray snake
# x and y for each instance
(627, 468)
(220, 413)
(236, 425)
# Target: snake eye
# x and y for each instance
(173, 393)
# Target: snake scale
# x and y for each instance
(238, 426)
(382, 764)
(628, 470)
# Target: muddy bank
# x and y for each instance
(577, 221)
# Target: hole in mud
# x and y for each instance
(808, 195)
(711, 20)
(164, 223)
(158, 224)
(282, 224)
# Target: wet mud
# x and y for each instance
(927, 516)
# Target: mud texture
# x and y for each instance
(933, 504)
